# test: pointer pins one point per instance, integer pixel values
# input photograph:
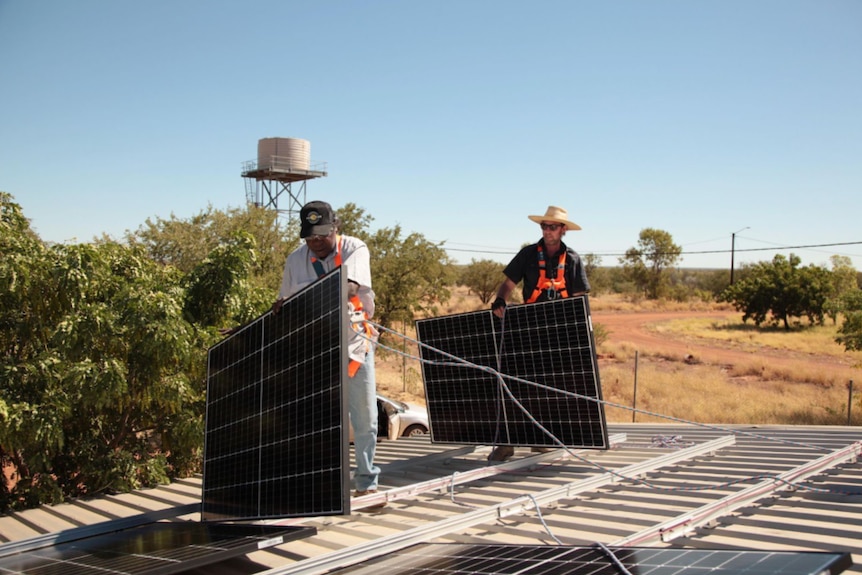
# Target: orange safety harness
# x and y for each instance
(554, 287)
(358, 326)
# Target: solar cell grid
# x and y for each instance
(152, 549)
(275, 443)
(549, 343)
(445, 558)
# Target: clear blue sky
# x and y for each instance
(454, 119)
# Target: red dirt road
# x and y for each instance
(633, 328)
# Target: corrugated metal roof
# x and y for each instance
(446, 493)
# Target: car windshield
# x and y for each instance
(399, 404)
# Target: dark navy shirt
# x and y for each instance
(525, 266)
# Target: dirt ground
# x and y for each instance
(634, 328)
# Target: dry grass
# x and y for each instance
(810, 339)
(676, 391)
(792, 378)
(617, 302)
(794, 371)
(789, 378)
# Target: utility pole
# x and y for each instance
(733, 249)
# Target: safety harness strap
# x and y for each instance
(354, 365)
(553, 287)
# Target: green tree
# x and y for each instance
(354, 221)
(184, 243)
(696, 284)
(86, 405)
(103, 346)
(482, 278)
(24, 301)
(843, 275)
(843, 283)
(713, 281)
(218, 291)
(103, 373)
(592, 262)
(213, 235)
(597, 276)
(780, 290)
(646, 265)
(411, 275)
(850, 332)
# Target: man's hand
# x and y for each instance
(352, 288)
(499, 307)
(276, 306)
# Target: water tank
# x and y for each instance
(283, 154)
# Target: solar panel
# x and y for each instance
(549, 343)
(152, 549)
(275, 438)
(443, 558)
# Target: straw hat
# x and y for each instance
(555, 214)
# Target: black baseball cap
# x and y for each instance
(317, 218)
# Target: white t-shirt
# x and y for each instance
(299, 272)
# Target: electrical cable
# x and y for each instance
(456, 361)
(542, 519)
(614, 559)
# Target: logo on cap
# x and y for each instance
(313, 217)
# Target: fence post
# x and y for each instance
(849, 399)
(635, 394)
(404, 357)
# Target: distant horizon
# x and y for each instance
(505, 257)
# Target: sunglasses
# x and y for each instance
(312, 237)
(552, 227)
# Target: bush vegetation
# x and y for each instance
(103, 344)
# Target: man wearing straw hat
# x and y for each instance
(549, 270)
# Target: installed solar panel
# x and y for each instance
(153, 549)
(549, 343)
(276, 443)
(444, 558)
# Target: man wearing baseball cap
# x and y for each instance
(323, 250)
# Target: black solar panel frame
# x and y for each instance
(152, 549)
(550, 343)
(263, 457)
(500, 559)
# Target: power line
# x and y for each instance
(770, 249)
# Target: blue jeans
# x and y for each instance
(362, 405)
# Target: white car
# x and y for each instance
(398, 419)
(402, 419)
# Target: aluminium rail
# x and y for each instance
(450, 481)
(687, 522)
(358, 553)
(459, 478)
